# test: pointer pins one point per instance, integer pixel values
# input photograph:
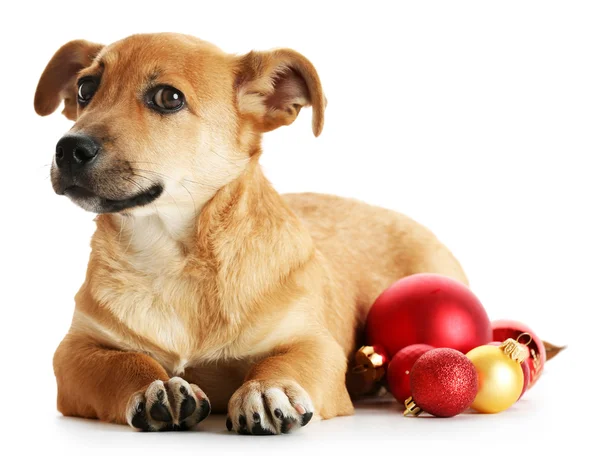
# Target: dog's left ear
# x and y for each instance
(57, 82)
(273, 86)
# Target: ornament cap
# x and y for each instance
(369, 367)
(371, 358)
(514, 350)
(411, 407)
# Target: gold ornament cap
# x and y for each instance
(366, 374)
(514, 350)
(411, 407)
(371, 360)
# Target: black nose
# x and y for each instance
(76, 150)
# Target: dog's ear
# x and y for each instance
(58, 81)
(273, 86)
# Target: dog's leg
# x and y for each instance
(123, 387)
(285, 390)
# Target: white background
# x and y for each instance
(479, 119)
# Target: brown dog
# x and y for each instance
(200, 272)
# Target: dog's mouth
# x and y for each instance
(90, 201)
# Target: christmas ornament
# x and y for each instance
(443, 382)
(536, 352)
(524, 368)
(398, 372)
(370, 363)
(428, 309)
(500, 376)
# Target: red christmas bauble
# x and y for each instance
(524, 367)
(428, 309)
(443, 382)
(398, 373)
(503, 329)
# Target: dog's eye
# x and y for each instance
(166, 99)
(87, 89)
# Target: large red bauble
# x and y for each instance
(443, 382)
(503, 329)
(398, 373)
(428, 309)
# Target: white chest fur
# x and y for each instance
(147, 291)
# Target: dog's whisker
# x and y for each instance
(153, 172)
(204, 184)
(120, 230)
(142, 163)
(242, 162)
(134, 183)
(178, 182)
(143, 177)
(191, 197)
(130, 237)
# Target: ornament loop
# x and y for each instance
(525, 334)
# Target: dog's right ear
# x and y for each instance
(58, 81)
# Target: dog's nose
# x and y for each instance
(76, 150)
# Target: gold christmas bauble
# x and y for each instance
(500, 378)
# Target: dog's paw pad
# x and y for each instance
(172, 406)
(268, 407)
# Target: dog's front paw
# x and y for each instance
(172, 406)
(263, 407)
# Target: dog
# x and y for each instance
(205, 288)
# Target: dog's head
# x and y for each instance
(166, 119)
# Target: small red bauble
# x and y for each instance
(503, 329)
(443, 382)
(428, 309)
(398, 373)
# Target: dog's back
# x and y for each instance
(368, 247)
